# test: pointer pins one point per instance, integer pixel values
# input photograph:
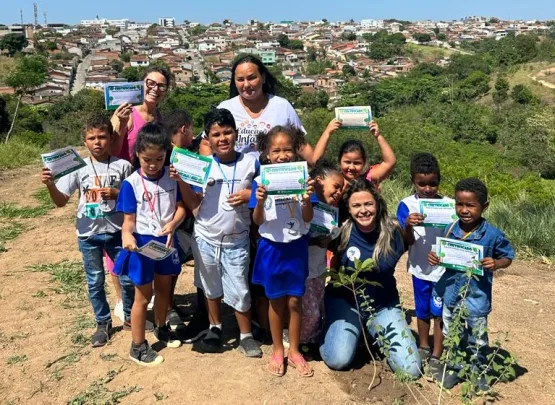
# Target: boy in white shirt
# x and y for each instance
(425, 177)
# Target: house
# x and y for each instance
(139, 61)
(330, 85)
(109, 43)
(305, 83)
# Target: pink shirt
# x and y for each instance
(137, 123)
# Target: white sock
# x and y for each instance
(219, 326)
(245, 335)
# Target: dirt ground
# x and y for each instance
(40, 365)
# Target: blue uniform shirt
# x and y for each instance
(478, 300)
(361, 246)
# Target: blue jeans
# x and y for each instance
(92, 248)
(342, 331)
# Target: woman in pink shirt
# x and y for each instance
(128, 120)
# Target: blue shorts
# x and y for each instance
(281, 268)
(427, 304)
(141, 269)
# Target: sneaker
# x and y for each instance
(197, 328)
(174, 320)
(447, 379)
(102, 335)
(286, 338)
(149, 326)
(260, 334)
(165, 335)
(250, 347)
(435, 368)
(144, 355)
(212, 341)
(118, 311)
(425, 353)
(151, 304)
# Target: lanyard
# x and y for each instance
(151, 201)
(225, 177)
(291, 207)
(107, 171)
(466, 235)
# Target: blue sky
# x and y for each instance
(72, 11)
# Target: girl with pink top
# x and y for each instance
(127, 122)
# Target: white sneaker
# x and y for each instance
(151, 303)
(118, 311)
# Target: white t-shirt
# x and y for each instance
(278, 112)
(217, 222)
(163, 194)
(424, 239)
(94, 215)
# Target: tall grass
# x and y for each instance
(530, 226)
(17, 153)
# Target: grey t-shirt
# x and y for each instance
(94, 215)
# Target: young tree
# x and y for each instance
(523, 95)
(348, 71)
(30, 72)
(283, 40)
(501, 92)
(13, 42)
(117, 65)
(422, 38)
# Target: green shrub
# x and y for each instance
(17, 153)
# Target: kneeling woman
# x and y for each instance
(368, 233)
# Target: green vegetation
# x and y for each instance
(9, 231)
(16, 359)
(69, 278)
(11, 211)
(99, 393)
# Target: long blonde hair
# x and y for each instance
(386, 225)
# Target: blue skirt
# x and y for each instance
(141, 269)
(282, 268)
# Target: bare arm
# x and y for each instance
(190, 198)
(308, 209)
(59, 198)
(127, 229)
(258, 213)
(322, 144)
(120, 121)
(204, 148)
(384, 169)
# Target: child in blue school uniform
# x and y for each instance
(151, 203)
(471, 200)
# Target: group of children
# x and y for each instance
(123, 206)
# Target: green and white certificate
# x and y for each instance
(354, 117)
(192, 168)
(325, 219)
(460, 256)
(284, 178)
(62, 161)
(116, 94)
(437, 213)
(155, 250)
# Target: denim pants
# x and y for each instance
(342, 331)
(474, 339)
(92, 248)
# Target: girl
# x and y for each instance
(281, 263)
(152, 209)
(328, 185)
(368, 233)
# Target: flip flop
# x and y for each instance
(297, 362)
(275, 359)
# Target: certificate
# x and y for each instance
(192, 168)
(325, 219)
(62, 161)
(284, 178)
(116, 94)
(437, 213)
(155, 250)
(354, 117)
(460, 256)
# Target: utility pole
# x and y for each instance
(36, 13)
(45, 20)
(21, 15)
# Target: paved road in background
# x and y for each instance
(79, 81)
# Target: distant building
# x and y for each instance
(266, 56)
(103, 23)
(369, 24)
(166, 22)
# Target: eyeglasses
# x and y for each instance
(152, 84)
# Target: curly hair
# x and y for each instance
(474, 185)
(264, 141)
(424, 163)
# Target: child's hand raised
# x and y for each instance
(433, 259)
(374, 128)
(46, 176)
(333, 126)
(261, 193)
(309, 189)
(128, 241)
(415, 219)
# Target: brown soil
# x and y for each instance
(40, 328)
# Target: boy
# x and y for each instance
(471, 200)
(98, 224)
(425, 176)
(179, 125)
(222, 232)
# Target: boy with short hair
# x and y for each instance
(425, 176)
(222, 232)
(471, 200)
(98, 224)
